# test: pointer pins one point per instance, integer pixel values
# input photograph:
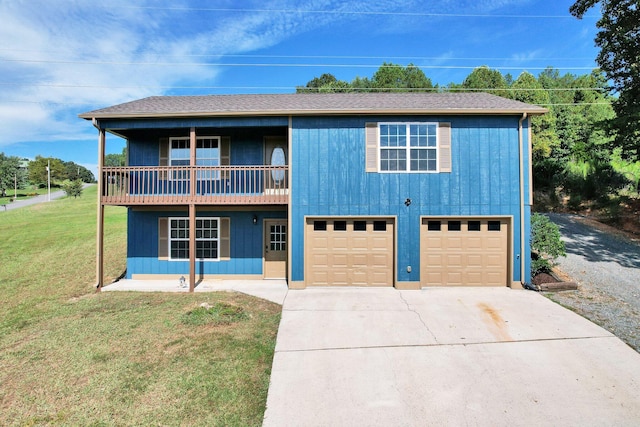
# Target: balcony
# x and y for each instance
(214, 185)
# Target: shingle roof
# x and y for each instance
(312, 104)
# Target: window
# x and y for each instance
(207, 238)
(278, 237)
(359, 225)
(433, 225)
(494, 225)
(339, 225)
(473, 226)
(408, 147)
(207, 154)
(453, 226)
(379, 225)
(319, 225)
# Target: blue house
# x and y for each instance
(359, 189)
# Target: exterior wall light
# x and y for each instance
(255, 219)
(407, 202)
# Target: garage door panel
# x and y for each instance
(464, 251)
(359, 252)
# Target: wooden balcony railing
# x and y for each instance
(172, 185)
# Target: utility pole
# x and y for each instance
(49, 180)
(15, 186)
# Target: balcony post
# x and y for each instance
(192, 162)
(100, 213)
(192, 247)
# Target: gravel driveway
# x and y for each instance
(606, 265)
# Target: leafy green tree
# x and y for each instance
(527, 89)
(10, 173)
(325, 83)
(484, 79)
(38, 170)
(546, 244)
(393, 77)
(619, 58)
(388, 78)
(116, 159)
(74, 171)
(72, 188)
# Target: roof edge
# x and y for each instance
(421, 111)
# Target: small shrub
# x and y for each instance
(72, 188)
(546, 244)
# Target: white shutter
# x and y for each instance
(444, 146)
(371, 137)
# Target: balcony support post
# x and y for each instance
(192, 247)
(192, 162)
(100, 214)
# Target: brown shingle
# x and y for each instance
(308, 104)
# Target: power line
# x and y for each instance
(275, 65)
(352, 57)
(347, 12)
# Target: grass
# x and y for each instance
(70, 356)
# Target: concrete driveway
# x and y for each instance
(462, 356)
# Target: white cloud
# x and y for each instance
(58, 59)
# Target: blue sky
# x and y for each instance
(62, 58)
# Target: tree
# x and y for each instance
(619, 58)
(72, 188)
(116, 159)
(527, 89)
(325, 83)
(38, 170)
(484, 79)
(74, 171)
(393, 77)
(389, 77)
(10, 173)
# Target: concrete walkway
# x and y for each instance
(461, 356)
(271, 290)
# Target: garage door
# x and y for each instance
(464, 251)
(349, 252)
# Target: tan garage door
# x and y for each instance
(349, 252)
(464, 251)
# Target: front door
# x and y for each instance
(275, 248)
(275, 155)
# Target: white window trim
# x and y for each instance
(169, 239)
(408, 147)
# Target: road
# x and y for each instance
(606, 265)
(20, 203)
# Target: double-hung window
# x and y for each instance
(207, 154)
(408, 147)
(207, 238)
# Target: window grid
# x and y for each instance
(207, 154)
(278, 237)
(408, 147)
(207, 238)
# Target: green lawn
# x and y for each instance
(70, 356)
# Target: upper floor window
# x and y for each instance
(207, 151)
(408, 147)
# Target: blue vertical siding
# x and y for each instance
(329, 178)
(246, 244)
